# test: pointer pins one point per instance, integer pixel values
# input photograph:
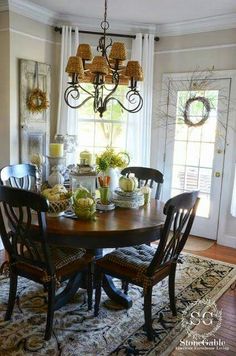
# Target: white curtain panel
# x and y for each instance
(139, 124)
(66, 119)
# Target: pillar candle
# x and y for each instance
(87, 156)
(56, 150)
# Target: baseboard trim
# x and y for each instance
(227, 240)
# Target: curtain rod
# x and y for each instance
(59, 29)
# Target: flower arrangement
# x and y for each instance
(110, 159)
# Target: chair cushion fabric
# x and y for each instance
(65, 255)
(65, 259)
(135, 257)
(132, 263)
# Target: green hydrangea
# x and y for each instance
(110, 159)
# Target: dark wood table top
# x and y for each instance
(117, 228)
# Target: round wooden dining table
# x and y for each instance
(117, 228)
(111, 229)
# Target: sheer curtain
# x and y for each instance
(139, 124)
(66, 119)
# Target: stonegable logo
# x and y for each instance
(201, 319)
(202, 345)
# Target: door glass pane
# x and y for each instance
(194, 149)
(191, 178)
(181, 131)
(194, 133)
(204, 205)
(206, 160)
(193, 152)
(178, 177)
(180, 152)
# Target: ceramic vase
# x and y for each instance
(55, 177)
(114, 175)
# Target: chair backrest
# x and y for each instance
(23, 243)
(23, 176)
(180, 212)
(146, 176)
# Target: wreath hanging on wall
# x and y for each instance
(37, 101)
(207, 108)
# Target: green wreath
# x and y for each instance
(207, 106)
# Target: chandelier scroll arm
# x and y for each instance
(69, 93)
(136, 109)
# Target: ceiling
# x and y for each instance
(143, 11)
(160, 17)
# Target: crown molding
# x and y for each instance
(207, 24)
(3, 5)
(93, 24)
(43, 15)
(33, 11)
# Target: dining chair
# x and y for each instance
(23, 176)
(31, 256)
(144, 265)
(146, 176)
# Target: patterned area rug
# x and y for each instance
(114, 332)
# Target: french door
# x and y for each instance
(194, 155)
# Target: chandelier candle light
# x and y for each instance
(106, 68)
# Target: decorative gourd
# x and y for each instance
(128, 184)
(59, 199)
(83, 204)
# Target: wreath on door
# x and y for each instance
(206, 111)
(37, 99)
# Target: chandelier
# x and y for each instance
(105, 72)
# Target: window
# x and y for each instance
(95, 133)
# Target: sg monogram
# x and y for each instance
(204, 312)
(206, 318)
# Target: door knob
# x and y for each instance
(217, 174)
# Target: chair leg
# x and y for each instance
(172, 290)
(125, 286)
(90, 287)
(98, 292)
(12, 296)
(148, 313)
(51, 288)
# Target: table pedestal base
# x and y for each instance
(115, 294)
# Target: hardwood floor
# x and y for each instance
(227, 303)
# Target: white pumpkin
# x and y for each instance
(128, 184)
(84, 202)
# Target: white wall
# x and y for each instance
(184, 54)
(4, 89)
(35, 41)
(21, 37)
